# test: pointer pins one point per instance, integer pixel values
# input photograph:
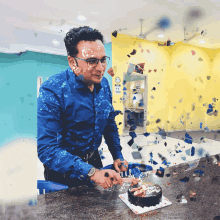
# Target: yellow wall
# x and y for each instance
(182, 79)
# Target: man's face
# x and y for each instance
(89, 49)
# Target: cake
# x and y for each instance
(145, 194)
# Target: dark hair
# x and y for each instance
(78, 34)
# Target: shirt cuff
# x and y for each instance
(118, 155)
(83, 175)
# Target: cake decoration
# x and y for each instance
(145, 194)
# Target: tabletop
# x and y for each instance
(97, 203)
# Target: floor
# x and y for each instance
(204, 143)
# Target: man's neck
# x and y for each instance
(91, 87)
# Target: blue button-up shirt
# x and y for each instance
(71, 121)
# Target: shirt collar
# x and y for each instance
(78, 83)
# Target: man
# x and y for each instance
(74, 111)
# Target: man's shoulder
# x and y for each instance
(56, 80)
(104, 82)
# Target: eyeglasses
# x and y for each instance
(94, 61)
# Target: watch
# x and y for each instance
(91, 172)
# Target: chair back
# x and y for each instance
(49, 186)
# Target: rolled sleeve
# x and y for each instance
(51, 152)
(83, 174)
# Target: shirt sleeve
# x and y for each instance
(49, 137)
(111, 132)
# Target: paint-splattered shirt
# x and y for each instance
(71, 121)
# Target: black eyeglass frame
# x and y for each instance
(97, 60)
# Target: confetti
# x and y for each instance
(179, 196)
(155, 70)
(192, 151)
(199, 171)
(184, 180)
(193, 52)
(201, 125)
(131, 68)
(158, 120)
(210, 109)
(200, 152)
(149, 71)
(133, 134)
(192, 193)
(146, 134)
(136, 155)
(188, 138)
(114, 34)
(111, 72)
(19, 54)
(183, 200)
(133, 52)
(117, 112)
(130, 142)
(139, 68)
(160, 172)
(148, 51)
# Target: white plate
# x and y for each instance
(139, 210)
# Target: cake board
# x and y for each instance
(139, 210)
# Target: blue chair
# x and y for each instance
(135, 169)
(49, 186)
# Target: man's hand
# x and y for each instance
(120, 165)
(106, 178)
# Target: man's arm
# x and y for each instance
(112, 137)
(111, 132)
(49, 138)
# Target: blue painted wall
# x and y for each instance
(18, 90)
(108, 51)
